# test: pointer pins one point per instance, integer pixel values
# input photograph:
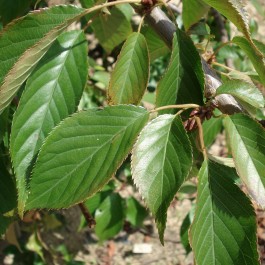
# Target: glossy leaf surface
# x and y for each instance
(161, 161)
(130, 75)
(183, 81)
(51, 94)
(247, 141)
(25, 41)
(244, 91)
(82, 154)
(224, 226)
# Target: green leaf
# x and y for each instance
(82, 154)
(210, 130)
(156, 46)
(135, 212)
(129, 78)
(24, 42)
(111, 30)
(193, 11)
(51, 94)
(243, 91)
(109, 222)
(247, 141)
(183, 81)
(4, 120)
(235, 11)
(254, 55)
(224, 227)
(12, 9)
(8, 196)
(161, 161)
(184, 230)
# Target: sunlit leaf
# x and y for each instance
(247, 141)
(130, 75)
(24, 42)
(51, 94)
(161, 161)
(244, 91)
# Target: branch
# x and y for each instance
(166, 29)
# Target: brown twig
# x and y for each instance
(89, 218)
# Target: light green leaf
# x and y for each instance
(156, 45)
(247, 141)
(51, 94)
(183, 81)
(24, 42)
(135, 212)
(129, 78)
(254, 55)
(111, 30)
(210, 130)
(82, 154)
(161, 161)
(224, 227)
(109, 222)
(243, 91)
(193, 11)
(235, 11)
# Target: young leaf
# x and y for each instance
(129, 78)
(243, 91)
(25, 41)
(51, 94)
(111, 30)
(161, 161)
(254, 55)
(235, 11)
(247, 141)
(224, 226)
(183, 81)
(82, 154)
(193, 11)
(109, 222)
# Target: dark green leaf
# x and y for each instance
(109, 217)
(24, 42)
(161, 161)
(51, 94)
(183, 81)
(247, 141)
(135, 212)
(129, 78)
(8, 196)
(82, 154)
(224, 227)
